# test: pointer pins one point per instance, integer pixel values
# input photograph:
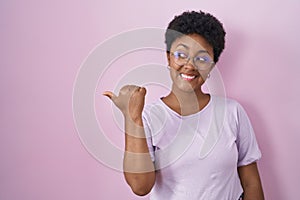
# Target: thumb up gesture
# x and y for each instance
(130, 101)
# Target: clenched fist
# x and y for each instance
(130, 101)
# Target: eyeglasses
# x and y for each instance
(202, 61)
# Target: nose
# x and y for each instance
(190, 65)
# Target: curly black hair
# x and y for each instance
(204, 24)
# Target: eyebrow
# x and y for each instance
(187, 47)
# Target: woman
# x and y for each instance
(175, 147)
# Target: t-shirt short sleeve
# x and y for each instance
(248, 148)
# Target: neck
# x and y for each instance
(186, 103)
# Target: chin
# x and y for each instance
(185, 86)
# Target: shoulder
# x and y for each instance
(153, 107)
(155, 111)
(233, 109)
(230, 104)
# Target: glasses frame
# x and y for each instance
(187, 60)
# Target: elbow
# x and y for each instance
(140, 190)
(140, 184)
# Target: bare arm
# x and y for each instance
(251, 182)
(138, 167)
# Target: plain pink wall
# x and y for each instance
(43, 44)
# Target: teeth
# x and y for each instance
(187, 76)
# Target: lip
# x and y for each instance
(188, 77)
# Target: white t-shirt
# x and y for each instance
(197, 156)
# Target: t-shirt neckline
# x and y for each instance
(186, 116)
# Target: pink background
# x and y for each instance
(43, 44)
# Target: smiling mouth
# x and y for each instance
(187, 77)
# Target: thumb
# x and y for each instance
(110, 95)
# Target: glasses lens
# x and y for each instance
(180, 57)
(203, 61)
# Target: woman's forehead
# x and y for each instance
(193, 42)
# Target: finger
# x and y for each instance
(128, 90)
(143, 91)
(139, 91)
(109, 94)
(134, 89)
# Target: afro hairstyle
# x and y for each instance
(201, 23)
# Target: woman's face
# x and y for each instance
(191, 60)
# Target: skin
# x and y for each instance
(251, 183)
(186, 97)
(138, 167)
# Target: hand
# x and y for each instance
(130, 101)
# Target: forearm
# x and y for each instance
(251, 183)
(253, 193)
(137, 164)
(138, 167)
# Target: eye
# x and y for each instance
(203, 59)
(179, 54)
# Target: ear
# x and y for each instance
(168, 57)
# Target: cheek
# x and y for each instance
(205, 74)
(172, 64)
(173, 73)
